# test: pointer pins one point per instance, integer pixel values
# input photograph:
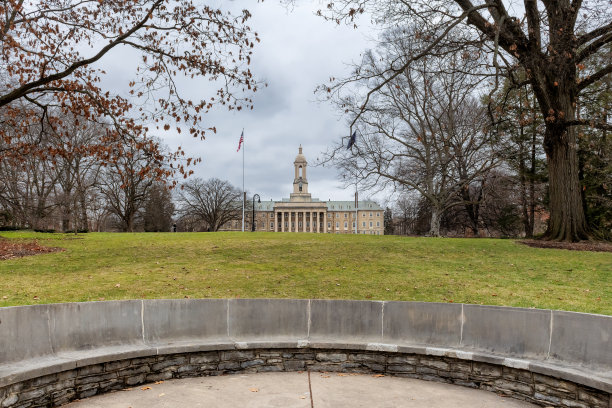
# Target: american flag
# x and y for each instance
(351, 140)
(240, 141)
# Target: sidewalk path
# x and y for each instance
(292, 390)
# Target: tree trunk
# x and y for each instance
(434, 225)
(532, 177)
(567, 221)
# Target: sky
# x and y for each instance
(297, 52)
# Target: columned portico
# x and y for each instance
(302, 213)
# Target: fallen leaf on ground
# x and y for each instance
(254, 389)
(378, 375)
(342, 375)
(159, 382)
(161, 395)
(145, 388)
(325, 376)
(302, 397)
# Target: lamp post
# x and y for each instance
(253, 217)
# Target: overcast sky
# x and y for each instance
(297, 52)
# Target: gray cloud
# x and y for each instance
(298, 51)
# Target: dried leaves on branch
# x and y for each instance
(53, 50)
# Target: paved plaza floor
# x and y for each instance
(289, 390)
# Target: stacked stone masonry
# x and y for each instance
(61, 388)
(52, 354)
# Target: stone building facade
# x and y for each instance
(302, 213)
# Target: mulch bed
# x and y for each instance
(17, 249)
(594, 246)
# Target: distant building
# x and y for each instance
(302, 213)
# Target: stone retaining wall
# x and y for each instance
(50, 354)
(63, 387)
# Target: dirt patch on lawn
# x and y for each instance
(16, 249)
(595, 246)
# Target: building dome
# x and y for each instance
(300, 158)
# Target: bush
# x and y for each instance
(49, 231)
(10, 228)
(79, 231)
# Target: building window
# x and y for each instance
(370, 224)
(329, 225)
(370, 215)
(345, 215)
(363, 214)
(271, 225)
(345, 225)
(337, 225)
(378, 214)
(353, 224)
(363, 224)
(271, 215)
(378, 223)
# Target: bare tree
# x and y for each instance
(126, 181)
(423, 131)
(548, 40)
(212, 201)
(76, 169)
(27, 185)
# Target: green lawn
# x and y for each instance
(104, 266)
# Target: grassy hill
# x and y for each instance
(105, 266)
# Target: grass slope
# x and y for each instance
(105, 266)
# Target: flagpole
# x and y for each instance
(356, 205)
(243, 190)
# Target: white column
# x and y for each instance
(325, 222)
(290, 220)
(312, 227)
(282, 221)
(303, 221)
(275, 221)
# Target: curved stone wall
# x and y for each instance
(51, 354)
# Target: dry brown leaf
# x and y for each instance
(254, 389)
(145, 388)
(159, 382)
(378, 375)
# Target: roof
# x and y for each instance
(265, 206)
(350, 205)
(331, 205)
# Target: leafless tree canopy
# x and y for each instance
(545, 44)
(423, 131)
(213, 201)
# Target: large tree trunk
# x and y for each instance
(567, 221)
(434, 225)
